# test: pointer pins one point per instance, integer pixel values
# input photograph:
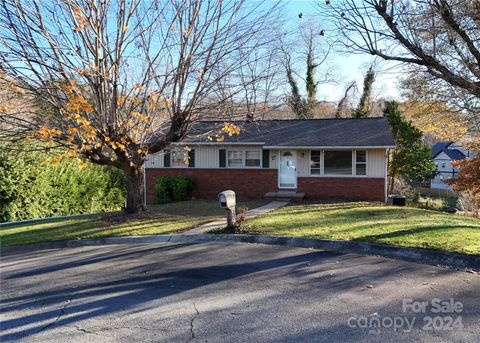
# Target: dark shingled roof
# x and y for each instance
(439, 147)
(454, 154)
(368, 132)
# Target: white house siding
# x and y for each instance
(303, 163)
(274, 156)
(376, 162)
(154, 161)
(207, 156)
(445, 170)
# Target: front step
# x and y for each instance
(285, 195)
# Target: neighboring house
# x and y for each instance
(322, 158)
(443, 154)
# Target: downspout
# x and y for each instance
(386, 175)
(144, 186)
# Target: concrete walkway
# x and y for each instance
(222, 222)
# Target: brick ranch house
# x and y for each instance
(318, 158)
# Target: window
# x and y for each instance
(361, 162)
(337, 162)
(235, 159)
(248, 158)
(315, 162)
(179, 158)
(252, 158)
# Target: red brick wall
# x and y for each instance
(365, 189)
(254, 183)
(247, 183)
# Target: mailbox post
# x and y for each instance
(227, 200)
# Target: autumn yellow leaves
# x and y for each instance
(436, 118)
(82, 135)
(228, 129)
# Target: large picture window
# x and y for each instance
(315, 162)
(337, 162)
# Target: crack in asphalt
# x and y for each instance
(62, 312)
(192, 328)
(84, 330)
(102, 331)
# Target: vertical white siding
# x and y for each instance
(274, 156)
(376, 160)
(154, 160)
(207, 156)
(303, 163)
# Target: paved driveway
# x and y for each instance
(229, 292)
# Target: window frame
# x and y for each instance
(227, 152)
(352, 166)
(174, 151)
(365, 163)
(354, 163)
(259, 158)
(321, 164)
(244, 158)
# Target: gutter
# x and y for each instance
(290, 146)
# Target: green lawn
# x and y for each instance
(403, 226)
(160, 219)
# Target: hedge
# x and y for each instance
(33, 187)
(173, 188)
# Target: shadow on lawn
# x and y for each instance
(419, 230)
(88, 228)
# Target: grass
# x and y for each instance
(437, 203)
(160, 219)
(401, 226)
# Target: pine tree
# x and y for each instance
(410, 158)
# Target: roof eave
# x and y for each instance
(329, 147)
(291, 146)
(220, 143)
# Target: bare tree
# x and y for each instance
(314, 57)
(294, 100)
(364, 106)
(438, 38)
(261, 82)
(115, 80)
(344, 106)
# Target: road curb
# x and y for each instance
(419, 255)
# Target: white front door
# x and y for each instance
(287, 171)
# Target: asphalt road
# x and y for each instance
(230, 292)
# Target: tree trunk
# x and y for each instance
(135, 189)
(392, 180)
(393, 172)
